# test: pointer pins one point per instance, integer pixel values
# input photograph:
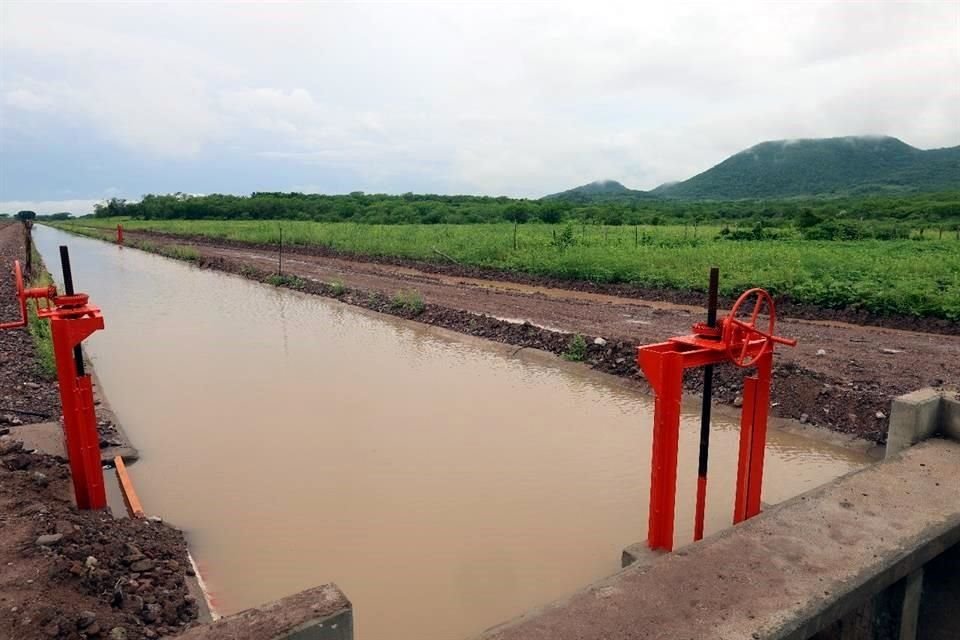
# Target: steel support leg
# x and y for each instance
(753, 439)
(666, 437)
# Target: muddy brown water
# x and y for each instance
(445, 483)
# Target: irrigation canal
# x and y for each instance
(445, 483)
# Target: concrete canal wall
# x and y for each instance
(321, 613)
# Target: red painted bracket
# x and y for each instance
(737, 342)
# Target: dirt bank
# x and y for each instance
(26, 394)
(841, 376)
(71, 574)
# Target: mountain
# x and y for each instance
(600, 191)
(826, 166)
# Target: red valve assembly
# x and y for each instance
(72, 319)
(744, 338)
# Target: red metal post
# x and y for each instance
(666, 439)
(79, 418)
(753, 437)
(119, 234)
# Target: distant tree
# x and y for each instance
(115, 207)
(551, 212)
(807, 219)
(516, 213)
(26, 215)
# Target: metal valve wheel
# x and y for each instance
(748, 335)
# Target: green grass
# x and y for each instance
(337, 288)
(910, 277)
(179, 252)
(576, 349)
(410, 302)
(40, 329)
(291, 282)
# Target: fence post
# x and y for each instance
(28, 247)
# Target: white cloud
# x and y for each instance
(27, 100)
(76, 207)
(521, 99)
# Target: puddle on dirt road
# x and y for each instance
(445, 483)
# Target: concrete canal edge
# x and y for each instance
(320, 613)
(872, 554)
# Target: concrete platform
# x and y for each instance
(47, 437)
(321, 613)
(785, 574)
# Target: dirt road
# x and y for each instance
(840, 375)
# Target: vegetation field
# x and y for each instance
(919, 277)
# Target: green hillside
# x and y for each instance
(828, 166)
(601, 191)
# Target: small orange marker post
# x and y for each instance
(126, 488)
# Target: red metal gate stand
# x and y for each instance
(72, 320)
(119, 234)
(740, 340)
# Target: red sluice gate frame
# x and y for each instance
(72, 320)
(742, 342)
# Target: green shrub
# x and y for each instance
(407, 301)
(40, 329)
(337, 288)
(291, 282)
(576, 349)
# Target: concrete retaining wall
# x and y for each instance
(321, 613)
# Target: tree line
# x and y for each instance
(860, 216)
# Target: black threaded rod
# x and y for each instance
(68, 289)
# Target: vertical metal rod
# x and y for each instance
(705, 413)
(27, 226)
(280, 265)
(68, 289)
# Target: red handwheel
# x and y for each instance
(747, 334)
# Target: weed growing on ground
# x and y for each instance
(337, 288)
(407, 301)
(180, 252)
(576, 349)
(40, 329)
(144, 245)
(291, 282)
(249, 272)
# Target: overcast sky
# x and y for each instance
(519, 99)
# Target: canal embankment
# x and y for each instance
(842, 376)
